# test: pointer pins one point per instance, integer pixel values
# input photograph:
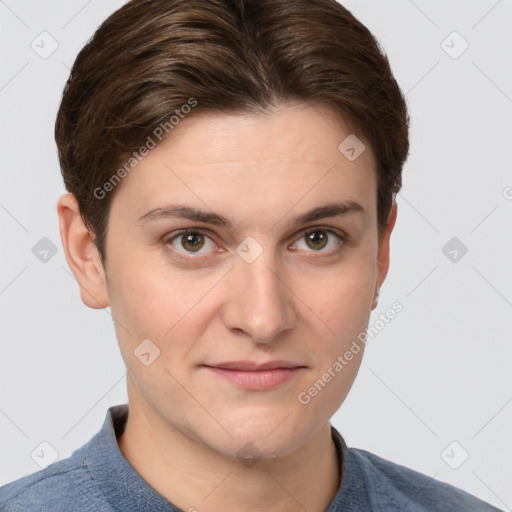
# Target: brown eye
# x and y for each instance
(190, 242)
(318, 239)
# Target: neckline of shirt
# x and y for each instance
(127, 491)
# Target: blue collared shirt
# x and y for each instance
(97, 478)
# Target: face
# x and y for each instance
(249, 280)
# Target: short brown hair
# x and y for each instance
(150, 57)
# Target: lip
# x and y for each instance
(253, 366)
(256, 376)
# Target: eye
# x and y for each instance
(318, 238)
(193, 241)
(190, 240)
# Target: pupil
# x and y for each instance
(317, 236)
(189, 241)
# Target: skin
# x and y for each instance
(297, 301)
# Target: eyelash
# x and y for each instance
(343, 238)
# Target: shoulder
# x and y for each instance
(396, 487)
(63, 486)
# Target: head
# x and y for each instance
(247, 111)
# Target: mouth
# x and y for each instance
(256, 376)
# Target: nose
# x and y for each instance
(259, 301)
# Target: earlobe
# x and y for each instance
(375, 298)
(81, 253)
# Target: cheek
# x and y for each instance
(343, 298)
(151, 299)
(345, 307)
(168, 307)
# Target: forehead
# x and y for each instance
(295, 132)
(219, 160)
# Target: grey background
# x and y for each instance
(438, 373)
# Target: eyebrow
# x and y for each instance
(335, 209)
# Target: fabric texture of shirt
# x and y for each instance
(97, 478)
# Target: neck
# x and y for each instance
(193, 477)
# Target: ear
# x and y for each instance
(81, 253)
(383, 254)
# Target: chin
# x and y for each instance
(262, 438)
(250, 450)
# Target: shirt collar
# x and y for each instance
(355, 490)
(122, 486)
(127, 491)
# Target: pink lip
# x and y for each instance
(252, 366)
(255, 376)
